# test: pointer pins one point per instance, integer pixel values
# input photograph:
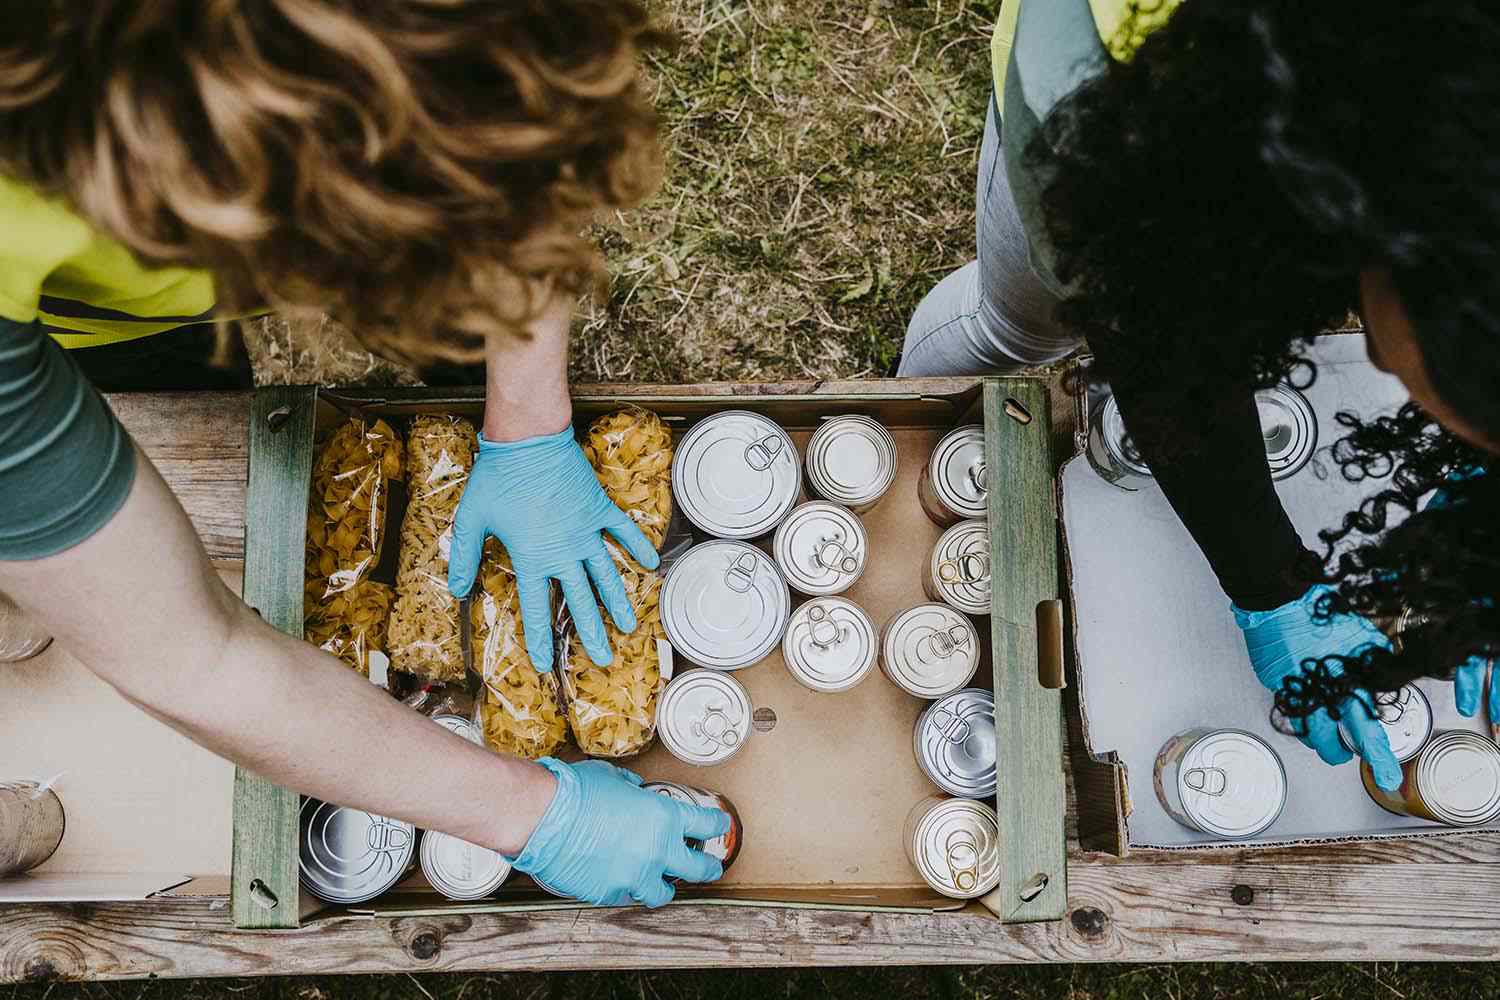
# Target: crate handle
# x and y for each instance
(1049, 644)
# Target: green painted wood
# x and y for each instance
(1031, 799)
(263, 887)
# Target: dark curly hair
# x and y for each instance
(1213, 202)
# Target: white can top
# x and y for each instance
(956, 847)
(736, 474)
(954, 740)
(703, 717)
(821, 548)
(1117, 440)
(960, 566)
(459, 869)
(724, 605)
(930, 650)
(1406, 719)
(349, 855)
(830, 644)
(1231, 783)
(1289, 427)
(851, 460)
(1458, 777)
(958, 472)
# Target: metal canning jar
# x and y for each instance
(821, 548)
(703, 717)
(726, 846)
(955, 845)
(851, 460)
(736, 474)
(724, 605)
(1110, 450)
(349, 855)
(1289, 428)
(461, 870)
(955, 481)
(1224, 782)
(929, 651)
(1406, 718)
(1454, 780)
(830, 644)
(958, 573)
(954, 740)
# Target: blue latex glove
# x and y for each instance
(541, 499)
(1280, 639)
(607, 842)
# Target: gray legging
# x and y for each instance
(994, 313)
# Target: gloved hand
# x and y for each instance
(1280, 639)
(542, 500)
(1468, 680)
(607, 842)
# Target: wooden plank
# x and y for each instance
(1023, 564)
(263, 872)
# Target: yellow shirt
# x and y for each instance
(1122, 24)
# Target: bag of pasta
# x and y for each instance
(521, 709)
(424, 635)
(631, 452)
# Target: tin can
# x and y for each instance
(1224, 782)
(1289, 427)
(958, 572)
(736, 474)
(1406, 717)
(467, 728)
(1111, 451)
(704, 717)
(31, 825)
(726, 846)
(830, 644)
(1454, 780)
(955, 845)
(929, 651)
(351, 856)
(21, 636)
(851, 460)
(821, 548)
(724, 605)
(954, 740)
(461, 870)
(955, 482)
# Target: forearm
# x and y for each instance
(526, 380)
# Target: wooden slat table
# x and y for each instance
(1429, 899)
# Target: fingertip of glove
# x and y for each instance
(1387, 776)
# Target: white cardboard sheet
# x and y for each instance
(1159, 652)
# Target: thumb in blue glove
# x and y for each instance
(1279, 641)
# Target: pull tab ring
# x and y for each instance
(971, 567)
(833, 554)
(831, 635)
(761, 455)
(954, 728)
(383, 835)
(714, 726)
(940, 645)
(1210, 781)
(961, 852)
(979, 476)
(740, 576)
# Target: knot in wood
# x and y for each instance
(1090, 921)
(426, 945)
(1242, 895)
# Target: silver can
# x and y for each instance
(461, 870)
(958, 572)
(1224, 782)
(955, 845)
(821, 548)
(704, 717)
(457, 724)
(955, 482)
(736, 474)
(32, 821)
(930, 651)
(1406, 718)
(726, 846)
(724, 605)
(954, 740)
(351, 856)
(830, 644)
(21, 636)
(1454, 780)
(851, 460)
(1289, 427)
(1111, 451)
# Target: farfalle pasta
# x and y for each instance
(521, 710)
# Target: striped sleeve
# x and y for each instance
(66, 464)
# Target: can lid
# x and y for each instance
(830, 644)
(1231, 783)
(958, 472)
(351, 856)
(960, 566)
(724, 605)
(459, 869)
(955, 743)
(1117, 439)
(703, 717)
(1289, 427)
(957, 848)
(821, 548)
(1458, 776)
(460, 725)
(1406, 718)
(930, 650)
(736, 474)
(851, 460)
(672, 790)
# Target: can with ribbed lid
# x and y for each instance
(726, 846)
(1455, 780)
(954, 740)
(351, 856)
(955, 482)
(851, 460)
(724, 605)
(1110, 450)
(958, 571)
(703, 717)
(461, 870)
(830, 644)
(821, 548)
(930, 651)
(1406, 717)
(955, 845)
(736, 474)
(1288, 427)
(1223, 782)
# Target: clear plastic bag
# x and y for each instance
(631, 452)
(424, 635)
